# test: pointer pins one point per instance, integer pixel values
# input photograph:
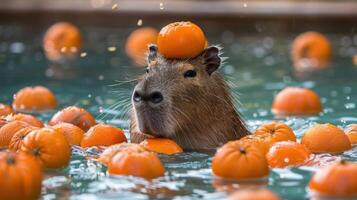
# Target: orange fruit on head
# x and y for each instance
(247, 194)
(239, 160)
(49, 146)
(278, 132)
(136, 162)
(72, 133)
(20, 176)
(351, 132)
(311, 50)
(110, 151)
(137, 44)
(62, 41)
(103, 135)
(73, 115)
(5, 110)
(33, 121)
(294, 101)
(36, 98)
(326, 138)
(18, 138)
(181, 40)
(287, 154)
(162, 145)
(338, 179)
(9, 130)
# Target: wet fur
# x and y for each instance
(197, 113)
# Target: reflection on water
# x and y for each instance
(257, 68)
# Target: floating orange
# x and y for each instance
(62, 41)
(110, 151)
(30, 119)
(260, 194)
(181, 40)
(18, 138)
(137, 44)
(311, 50)
(140, 163)
(36, 98)
(5, 110)
(162, 145)
(9, 130)
(278, 132)
(49, 146)
(240, 160)
(72, 133)
(296, 101)
(74, 115)
(20, 176)
(351, 132)
(103, 135)
(262, 141)
(326, 138)
(287, 154)
(338, 179)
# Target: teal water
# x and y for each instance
(258, 67)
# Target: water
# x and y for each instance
(257, 68)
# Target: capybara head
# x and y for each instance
(185, 100)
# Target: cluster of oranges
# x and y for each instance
(29, 146)
(274, 145)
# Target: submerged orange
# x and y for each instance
(326, 138)
(296, 101)
(336, 180)
(110, 151)
(181, 40)
(72, 133)
(162, 145)
(73, 115)
(36, 98)
(136, 162)
(287, 154)
(103, 135)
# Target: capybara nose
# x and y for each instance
(156, 97)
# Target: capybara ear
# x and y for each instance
(152, 53)
(211, 59)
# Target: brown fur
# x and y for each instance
(198, 113)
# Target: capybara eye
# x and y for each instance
(190, 74)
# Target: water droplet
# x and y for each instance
(101, 77)
(140, 22)
(115, 6)
(350, 105)
(17, 47)
(83, 54)
(161, 6)
(111, 49)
